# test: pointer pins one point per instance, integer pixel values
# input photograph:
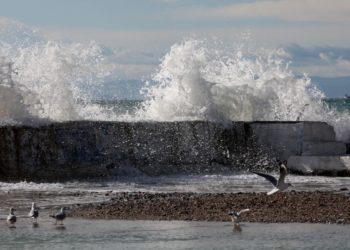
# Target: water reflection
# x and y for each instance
(116, 234)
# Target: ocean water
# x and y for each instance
(117, 234)
(197, 183)
(122, 107)
(340, 104)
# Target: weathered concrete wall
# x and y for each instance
(83, 149)
(320, 165)
(94, 149)
(285, 139)
(298, 138)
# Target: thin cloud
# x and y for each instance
(165, 1)
(287, 10)
(320, 61)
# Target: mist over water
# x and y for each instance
(196, 80)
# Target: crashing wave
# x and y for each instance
(197, 81)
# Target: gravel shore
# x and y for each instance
(313, 207)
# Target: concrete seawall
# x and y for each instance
(87, 149)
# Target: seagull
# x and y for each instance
(235, 215)
(11, 218)
(60, 216)
(279, 185)
(34, 212)
(235, 219)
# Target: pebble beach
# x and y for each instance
(302, 207)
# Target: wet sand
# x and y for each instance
(312, 207)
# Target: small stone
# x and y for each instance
(339, 221)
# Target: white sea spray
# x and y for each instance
(197, 80)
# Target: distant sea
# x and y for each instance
(130, 106)
(341, 104)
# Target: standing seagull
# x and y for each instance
(11, 218)
(279, 185)
(34, 213)
(235, 219)
(60, 216)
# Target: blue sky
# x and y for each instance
(314, 32)
(104, 14)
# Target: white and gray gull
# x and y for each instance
(60, 216)
(235, 219)
(11, 218)
(278, 185)
(236, 215)
(34, 212)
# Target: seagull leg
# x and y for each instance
(237, 227)
(11, 225)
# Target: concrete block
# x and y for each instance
(318, 131)
(283, 138)
(332, 148)
(320, 165)
(286, 139)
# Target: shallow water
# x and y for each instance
(117, 234)
(239, 182)
(52, 195)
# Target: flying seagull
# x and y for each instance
(235, 219)
(11, 218)
(34, 212)
(60, 216)
(279, 185)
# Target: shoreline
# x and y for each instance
(301, 207)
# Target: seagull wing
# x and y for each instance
(31, 213)
(35, 213)
(243, 211)
(274, 190)
(268, 177)
(60, 216)
(11, 218)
